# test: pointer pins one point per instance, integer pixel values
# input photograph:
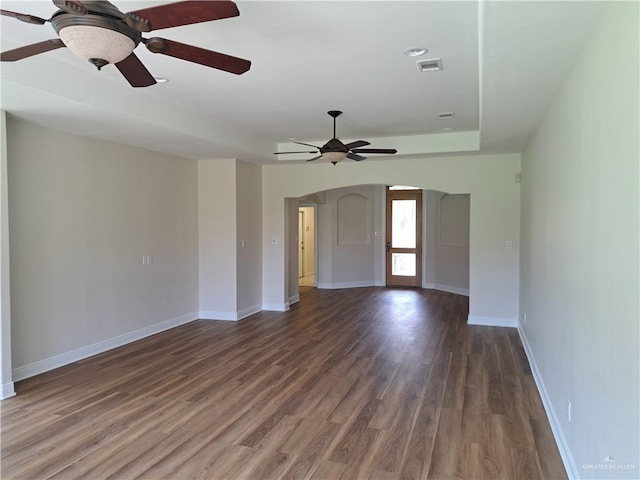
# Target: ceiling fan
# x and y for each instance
(335, 151)
(100, 33)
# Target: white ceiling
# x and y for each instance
(503, 63)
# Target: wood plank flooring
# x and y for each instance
(349, 384)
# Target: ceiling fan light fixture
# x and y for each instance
(334, 157)
(96, 43)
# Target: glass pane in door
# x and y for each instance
(403, 218)
(403, 264)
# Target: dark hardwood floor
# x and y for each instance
(360, 383)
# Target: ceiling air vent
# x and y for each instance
(431, 65)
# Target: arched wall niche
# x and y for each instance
(353, 212)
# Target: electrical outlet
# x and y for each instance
(525, 317)
(569, 410)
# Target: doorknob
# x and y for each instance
(388, 247)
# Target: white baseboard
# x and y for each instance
(275, 307)
(450, 289)
(247, 312)
(492, 321)
(7, 391)
(217, 315)
(294, 299)
(41, 366)
(558, 435)
(331, 286)
(229, 316)
(446, 288)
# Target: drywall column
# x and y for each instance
(275, 288)
(249, 238)
(217, 239)
(6, 377)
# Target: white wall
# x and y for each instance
(579, 265)
(82, 213)
(495, 200)
(217, 238)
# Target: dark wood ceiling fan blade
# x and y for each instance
(31, 50)
(180, 13)
(356, 144)
(314, 158)
(71, 6)
(308, 145)
(24, 17)
(284, 153)
(355, 157)
(388, 151)
(202, 56)
(135, 72)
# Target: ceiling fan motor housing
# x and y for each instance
(334, 145)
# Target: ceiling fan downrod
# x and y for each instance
(334, 114)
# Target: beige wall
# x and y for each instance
(580, 237)
(82, 214)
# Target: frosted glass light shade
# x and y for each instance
(334, 157)
(95, 42)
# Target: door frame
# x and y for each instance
(301, 218)
(391, 195)
(314, 206)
